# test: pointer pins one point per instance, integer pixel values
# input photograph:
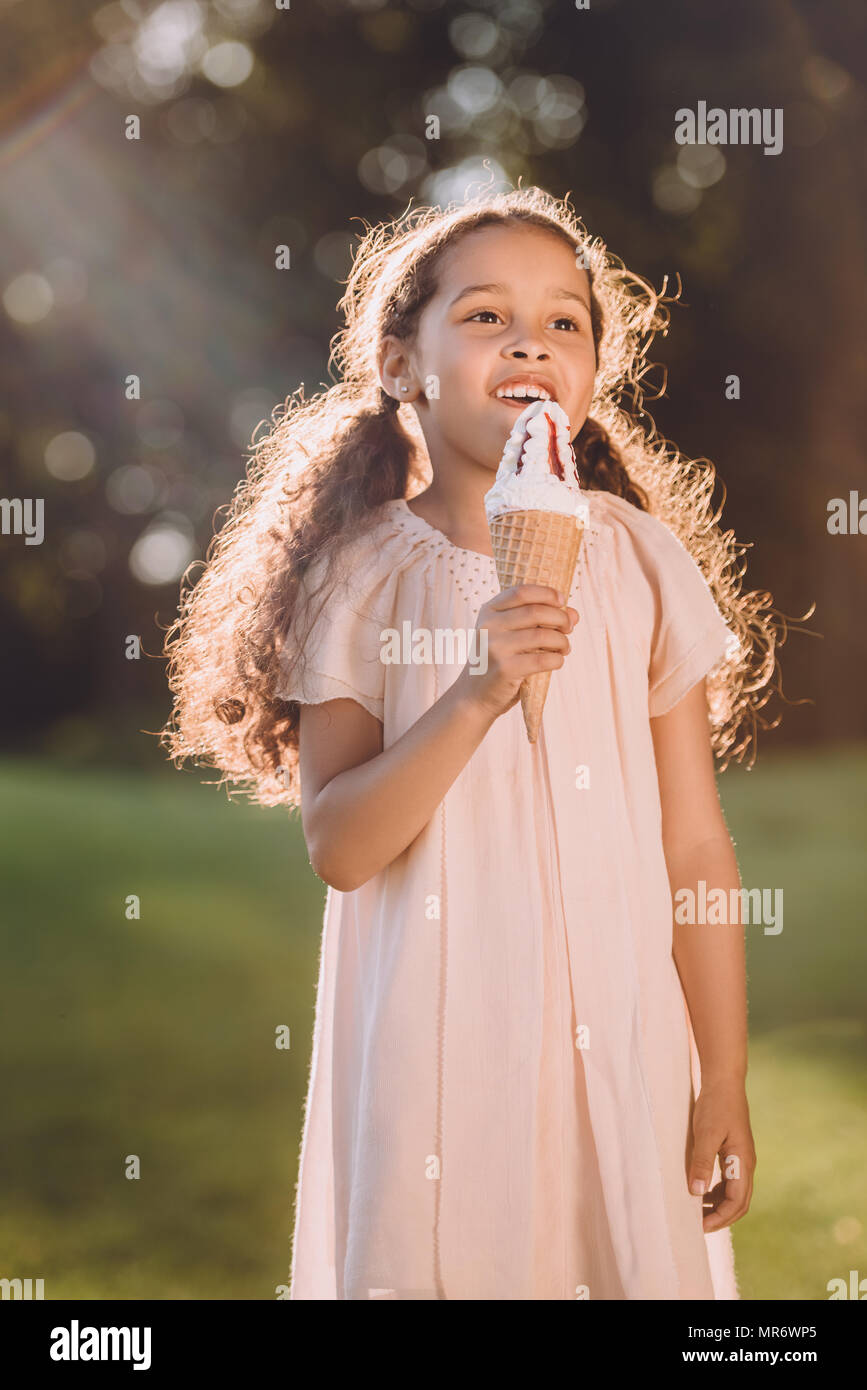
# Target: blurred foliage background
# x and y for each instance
(263, 126)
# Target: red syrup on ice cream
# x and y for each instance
(554, 463)
(553, 451)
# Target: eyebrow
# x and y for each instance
(556, 291)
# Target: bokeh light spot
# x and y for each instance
(132, 489)
(671, 194)
(163, 551)
(474, 35)
(28, 298)
(69, 456)
(701, 166)
(228, 64)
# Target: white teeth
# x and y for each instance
(521, 393)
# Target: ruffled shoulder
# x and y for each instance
(332, 649)
(689, 636)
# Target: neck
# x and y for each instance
(455, 503)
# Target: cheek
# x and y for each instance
(586, 384)
(467, 366)
(582, 356)
(585, 374)
(589, 368)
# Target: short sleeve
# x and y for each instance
(691, 638)
(341, 656)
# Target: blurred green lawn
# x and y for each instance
(156, 1037)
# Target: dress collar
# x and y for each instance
(598, 534)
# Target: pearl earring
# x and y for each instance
(404, 388)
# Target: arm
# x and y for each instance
(361, 806)
(709, 958)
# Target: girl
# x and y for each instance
(528, 1078)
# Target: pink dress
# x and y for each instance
(503, 1064)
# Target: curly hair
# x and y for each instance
(327, 463)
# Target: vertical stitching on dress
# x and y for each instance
(560, 926)
(441, 1012)
(596, 583)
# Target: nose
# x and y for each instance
(527, 346)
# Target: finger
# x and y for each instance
(527, 593)
(730, 1198)
(529, 663)
(703, 1160)
(536, 615)
(731, 1201)
(532, 639)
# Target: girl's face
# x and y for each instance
(512, 305)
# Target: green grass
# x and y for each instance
(799, 823)
(156, 1037)
(152, 1037)
(807, 1221)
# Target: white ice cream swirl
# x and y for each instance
(537, 487)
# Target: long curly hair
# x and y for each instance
(326, 464)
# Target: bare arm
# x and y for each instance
(710, 961)
(361, 806)
(709, 958)
(368, 811)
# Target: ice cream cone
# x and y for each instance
(536, 547)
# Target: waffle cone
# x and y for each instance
(532, 547)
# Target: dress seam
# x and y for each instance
(639, 1052)
(441, 1021)
(557, 899)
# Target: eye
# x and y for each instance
(563, 318)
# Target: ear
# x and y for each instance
(395, 368)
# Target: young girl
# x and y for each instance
(525, 1073)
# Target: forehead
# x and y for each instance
(513, 256)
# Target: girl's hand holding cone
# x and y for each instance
(526, 633)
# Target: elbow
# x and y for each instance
(332, 869)
(334, 853)
(341, 882)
